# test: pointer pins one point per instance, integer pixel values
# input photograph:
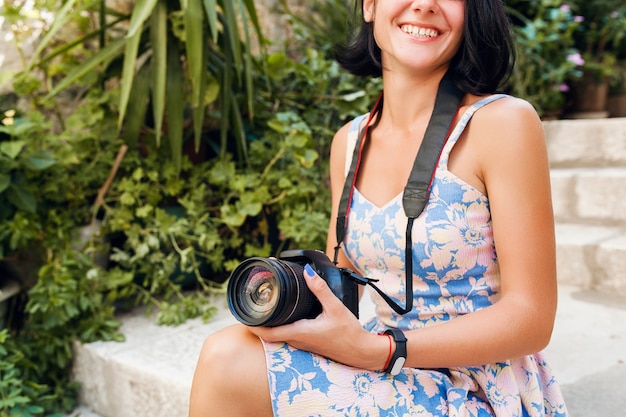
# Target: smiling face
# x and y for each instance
(416, 35)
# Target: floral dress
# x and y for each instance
(455, 272)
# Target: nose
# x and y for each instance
(424, 6)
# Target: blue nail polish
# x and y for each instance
(310, 272)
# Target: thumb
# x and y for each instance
(318, 286)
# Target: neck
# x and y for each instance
(409, 100)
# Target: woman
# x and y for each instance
(483, 253)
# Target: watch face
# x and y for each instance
(397, 366)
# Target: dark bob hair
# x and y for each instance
(482, 65)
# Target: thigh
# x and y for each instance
(231, 367)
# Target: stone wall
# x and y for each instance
(273, 24)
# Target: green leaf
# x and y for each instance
(141, 12)
(308, 159)
(240, 133)
(233, 46)
(144, 211)
(213, 90)
(128, 73)
(22, 199)
(20, 127)
(39, 160)
(226, 97)
(195, 44)
(104, 55)
(278, 125)
(232, 217)
(64, 49)
(247, 68)
(175, 102)
(138, 105)
(210, 8)
(222, 172)
(199, 111)
(61, 17)
(250, 208)
(232, 32)
(253, 17)
(5, 180)
(158, 33)
(12, 149)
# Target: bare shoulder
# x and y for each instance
(509, 114)
(339, 146)
(508, 125)
(341, 137)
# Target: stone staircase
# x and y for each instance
(150, 374)
(588, 170)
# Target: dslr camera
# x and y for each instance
(272, 291)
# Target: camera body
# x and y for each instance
(272, 292)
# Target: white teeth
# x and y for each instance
(419, 32)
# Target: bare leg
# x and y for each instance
(231, 376)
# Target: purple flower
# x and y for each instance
(579, 19)
(576, 59)
(564, 88)
(615, 14)
(565, 8)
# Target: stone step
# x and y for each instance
(589, 195)
(149, 375)
(592, 257)
(591, 142)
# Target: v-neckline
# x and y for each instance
(381, 207)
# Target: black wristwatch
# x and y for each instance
(399, 356)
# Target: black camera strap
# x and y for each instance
(417, 190)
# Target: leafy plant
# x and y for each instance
(66, 305)
(60, 173)
(15, 392)
(546, 57)
(602, 25)
(20, 161)
(194, 50)
(617, 83)
(174, 230)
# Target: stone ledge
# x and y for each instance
(600, 142)
(589, 195)
(150, 374)
(592, 257)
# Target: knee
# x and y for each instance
(231, 366)
(230, 351)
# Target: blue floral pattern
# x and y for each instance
(455, 272)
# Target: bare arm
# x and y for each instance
(515, 171)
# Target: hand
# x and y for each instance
(336, 333)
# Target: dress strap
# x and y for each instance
(462, 124)
(353, 137)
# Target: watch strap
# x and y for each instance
(398, 358)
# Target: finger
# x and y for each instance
(266, 333)
(319, 287)
(282, 333)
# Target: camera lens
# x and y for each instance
(260, 292)
(270, 292)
